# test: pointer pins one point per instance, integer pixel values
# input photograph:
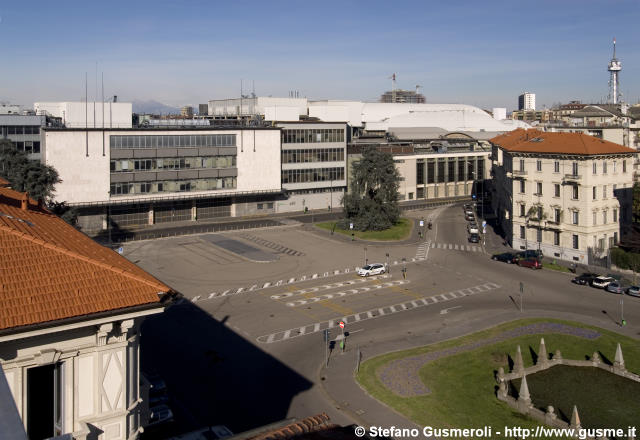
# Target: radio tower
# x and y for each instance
(615, 66)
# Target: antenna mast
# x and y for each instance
(614, 68)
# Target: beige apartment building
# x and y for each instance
(567, 194)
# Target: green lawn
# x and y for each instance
(553, 266)
(462, 386)
(399, 231)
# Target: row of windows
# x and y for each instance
(28, 146)
(312, 175)
(313, 135)
(556, 215)
(313, 155)
(575, 167)
(452, 169)
(574, 190)
(181, 141)
(172, 163)
(21, 129)
(169, 186)
(575, 240)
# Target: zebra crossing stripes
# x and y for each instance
(328, 296)
(274, 246)
(456, 247)
(375, 313)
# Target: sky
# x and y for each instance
(483, 53)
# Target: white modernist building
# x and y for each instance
(527, 101)
(88, 114)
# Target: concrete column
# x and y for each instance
(151, 216)
(105, 218)
(194, 211)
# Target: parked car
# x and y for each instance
(585, 278)
(633, 291)
(470, 217)
(467, 207)
(602, 282)
(615, 287)
(506, 257)
(472, 228)
(474, 238)
(160, 414)
(531, 253)
(532, 263)
(371, 269)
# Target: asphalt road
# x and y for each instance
(243, 351)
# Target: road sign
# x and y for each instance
(120, 250)
(484, 223)
(484, 230)
(422, 223)
(341, 324)
(473, 196)
(350, 225)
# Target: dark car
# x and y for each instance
(532, 263)
(469, 217)
(474, 238)
(507, 257)
(585, 278)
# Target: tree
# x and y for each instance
(636, 203)
(373, 201)
(24, 175)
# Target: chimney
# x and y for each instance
(24, 205)
(40, 203)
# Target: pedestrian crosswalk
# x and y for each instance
(456, 247)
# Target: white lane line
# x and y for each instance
(316, 327)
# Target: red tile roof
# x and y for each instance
(536, 141)
(50, 271)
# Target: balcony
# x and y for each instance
(519, 174)
(572, 178)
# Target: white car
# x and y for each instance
(602, 282)
(473, 228)
(371, 269)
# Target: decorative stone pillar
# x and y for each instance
(502, 390)
(550, 416)
(518, 364)
(595, 359)
(618, 362)
(124, 327)
(524, 398)
(557, 356)
(500, 375)
(575, 419)
(543, 356)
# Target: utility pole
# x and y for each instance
(388, 265)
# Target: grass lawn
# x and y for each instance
(399, 231)
(553, 266)
(462, 386)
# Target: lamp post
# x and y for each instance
(366, 261)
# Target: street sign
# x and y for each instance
(120, 250)
(422, 223)
(350, 225)
(341, 324)
(484, 230)
(484, 223)
(473, 196)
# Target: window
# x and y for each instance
(575, 216)
(539, 235)
(615, 238)
(522, 210)
(260, 206)
(604, 167)
(539, 165)
(556, 189)
(556, 166)
(604, 191)
(595, 168)
(575, 241)
(575, 168)
(594, 192)
(604, 217)
(595, 218)
(615, 215)
(539, 188)
(557, 214)
(624, 166)
(556, 238)
(522, 232)
(575, 192)
(522, 187)
(614, 190)
(615, 163)
(522, 165)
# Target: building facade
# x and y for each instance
(566, 194)
(527, 101)
(142, 176)
(314, 158)
(70, 326)
(24, 132)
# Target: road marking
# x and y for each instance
(375, 313)
(445, 311)
(327, 286)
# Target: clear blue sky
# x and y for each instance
(483, 53)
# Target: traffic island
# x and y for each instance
(452, 383)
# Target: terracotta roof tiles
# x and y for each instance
(50, 271)
(536, 141)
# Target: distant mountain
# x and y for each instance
(154, 107)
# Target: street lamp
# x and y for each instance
(366, 260)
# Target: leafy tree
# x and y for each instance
(373, 201)
(25, 175)
(636, 203)
(67, 213)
